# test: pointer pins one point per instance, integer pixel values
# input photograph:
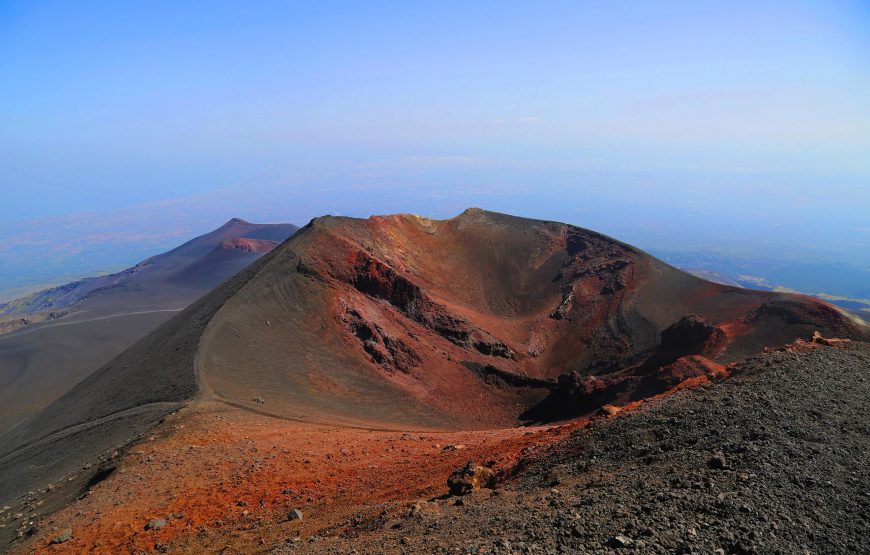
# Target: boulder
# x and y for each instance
(155, 524)
(64, 536)
(717, 461)
(620, 541)
(469, 478)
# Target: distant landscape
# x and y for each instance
(734, 242)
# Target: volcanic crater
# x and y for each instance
(401, 323)
(483, 320)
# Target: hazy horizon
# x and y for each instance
(671, 226)
(733, 129)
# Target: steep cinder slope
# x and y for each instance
(37, 368)
(224, 260)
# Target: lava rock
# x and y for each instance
(689, 332)
(620, 541)
(469, 478)
(155, 524)
(64, 536)
(717, 462)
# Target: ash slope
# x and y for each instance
(174, 278)
(91, 321)
(406, 323)
(791, 429)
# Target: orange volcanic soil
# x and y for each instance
(226, 478)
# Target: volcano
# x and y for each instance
(405, 323)
(478, 321)
(73, 329)
(174, 278)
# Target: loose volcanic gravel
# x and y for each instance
(773, 460)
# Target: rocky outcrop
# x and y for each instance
(691, 335)
(385, 350)
(376, 279)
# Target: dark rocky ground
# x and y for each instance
(773, 460)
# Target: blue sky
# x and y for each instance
(701, 125)
(106, 104)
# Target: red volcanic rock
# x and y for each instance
(587, 390)
(389, 352)
(400, 322)
(817, 338)
(378, 280)
(685, 368)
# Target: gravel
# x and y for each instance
(773, 460)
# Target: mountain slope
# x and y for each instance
(164, 279)
(97, 318)
(406, 323)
